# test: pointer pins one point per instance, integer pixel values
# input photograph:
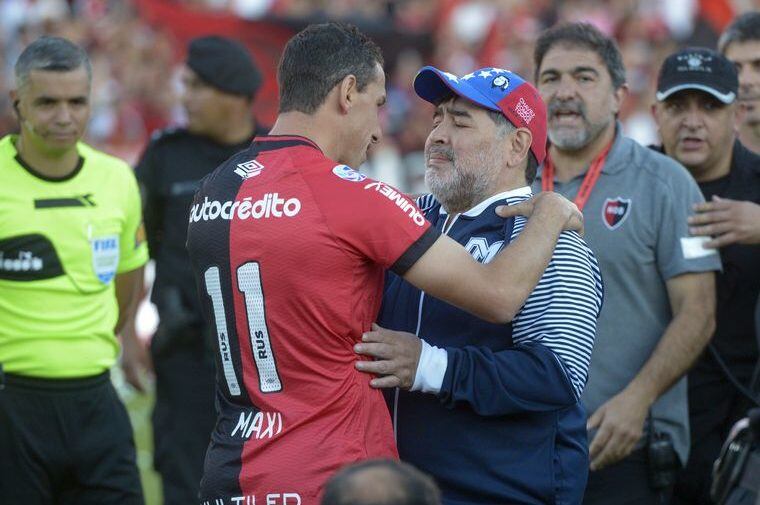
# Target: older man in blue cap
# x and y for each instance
(492, 411)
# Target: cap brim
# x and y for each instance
(726, 98)
(432, 85)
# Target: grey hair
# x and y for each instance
(54, 54)
(745, 28)
(504, 127)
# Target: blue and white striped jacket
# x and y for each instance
(507, 426)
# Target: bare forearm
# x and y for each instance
(520, 266)
(128, 288)
(684, 339)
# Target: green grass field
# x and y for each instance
(140, 407)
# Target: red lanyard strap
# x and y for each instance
(589, 181)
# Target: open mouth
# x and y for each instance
(691, 143)
(562, 117)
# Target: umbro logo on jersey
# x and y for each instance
(399, 199)
(249, 169)
(270, 205)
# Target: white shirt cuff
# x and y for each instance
(430, 369)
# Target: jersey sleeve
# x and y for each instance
(677, 251)
(133, 251)
(374, 219)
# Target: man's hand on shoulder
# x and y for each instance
(728, 221)
(552, 205)
(396, 353)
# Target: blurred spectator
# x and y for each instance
(740, 43)
(696, 113)
(219, 84)
(134, 60)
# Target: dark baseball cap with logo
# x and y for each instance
(701, 69)
(495, 89)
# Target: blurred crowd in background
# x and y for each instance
(136, 53)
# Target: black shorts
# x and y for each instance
(66, 442)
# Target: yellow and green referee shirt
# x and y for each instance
(62, 242)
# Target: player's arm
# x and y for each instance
(546, 369)
(497, 290)
(133, 255)
(621, 418)
(128, 288)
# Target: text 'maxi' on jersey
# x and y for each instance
(289, 249)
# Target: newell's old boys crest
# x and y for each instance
(614, 211)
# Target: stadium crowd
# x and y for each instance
(133, 58)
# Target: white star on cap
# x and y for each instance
(484, 73)
(451, 77)
(499, 71)
(468, 76)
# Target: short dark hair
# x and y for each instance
(54, 54)
(318, 58)
(401, 484)
(582, 35)
(744, 28)
(501, 120)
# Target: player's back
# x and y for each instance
(290, 278)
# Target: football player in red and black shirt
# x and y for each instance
(289, 246)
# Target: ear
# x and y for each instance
(13, 94)
(519, 146)
(620, 94)
(346, 93)
(653, 110)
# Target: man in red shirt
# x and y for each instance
(289, 246)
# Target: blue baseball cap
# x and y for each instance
(494, 89)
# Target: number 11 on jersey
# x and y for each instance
(249, 283)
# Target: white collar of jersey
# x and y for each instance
(479, 208)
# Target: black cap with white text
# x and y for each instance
(701, 69)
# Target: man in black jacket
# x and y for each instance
(696, 113)
(219, 84)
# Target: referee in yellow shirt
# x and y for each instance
(71, 258)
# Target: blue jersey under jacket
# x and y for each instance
(507, 426)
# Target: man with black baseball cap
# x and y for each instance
(697, 116)
(220, 81)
